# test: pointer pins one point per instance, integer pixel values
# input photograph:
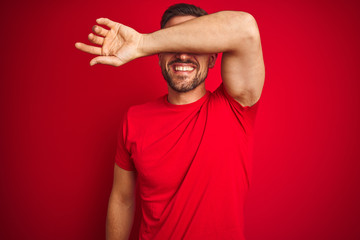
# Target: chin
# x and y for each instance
(181, 87)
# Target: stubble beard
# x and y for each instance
(183, 85)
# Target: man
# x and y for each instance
(189, 150)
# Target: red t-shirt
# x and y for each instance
(192, 164)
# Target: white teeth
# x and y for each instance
(183, 68)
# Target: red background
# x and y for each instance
(59, 117)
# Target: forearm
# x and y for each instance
(226, 31)
(120, 219)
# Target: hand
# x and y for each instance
(119, 45)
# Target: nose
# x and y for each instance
(183, 56)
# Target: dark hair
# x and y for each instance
(181, 9)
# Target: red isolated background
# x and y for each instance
(59, 117)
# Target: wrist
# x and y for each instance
(142, 46)
(146, 45)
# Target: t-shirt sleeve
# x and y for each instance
(123, 156)
(245, 114)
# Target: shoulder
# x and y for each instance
(225, 109)
(221, 93)
(222, 101)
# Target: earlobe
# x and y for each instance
(212, 60)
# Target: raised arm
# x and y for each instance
(121, 208)
(235, 34)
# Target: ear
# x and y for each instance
(159, 57)
(212, 60)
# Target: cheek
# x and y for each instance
(162, 64)
(204, 66)
(204, 62)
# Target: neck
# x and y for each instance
(181, 98)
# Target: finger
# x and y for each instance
(96, 39)
(107, 60)
(106, 22)
(99, 30)
(88, 49)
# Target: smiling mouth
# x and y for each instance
(183, 67)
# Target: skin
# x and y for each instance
(194, 42)
(121, 207)
(185, 86)
(235, 34)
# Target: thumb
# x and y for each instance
(107, 60)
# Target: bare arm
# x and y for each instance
(120, 214)
(235, 34)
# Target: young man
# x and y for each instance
(189, 150)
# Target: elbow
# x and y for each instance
(245, 26)
(124, 200)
